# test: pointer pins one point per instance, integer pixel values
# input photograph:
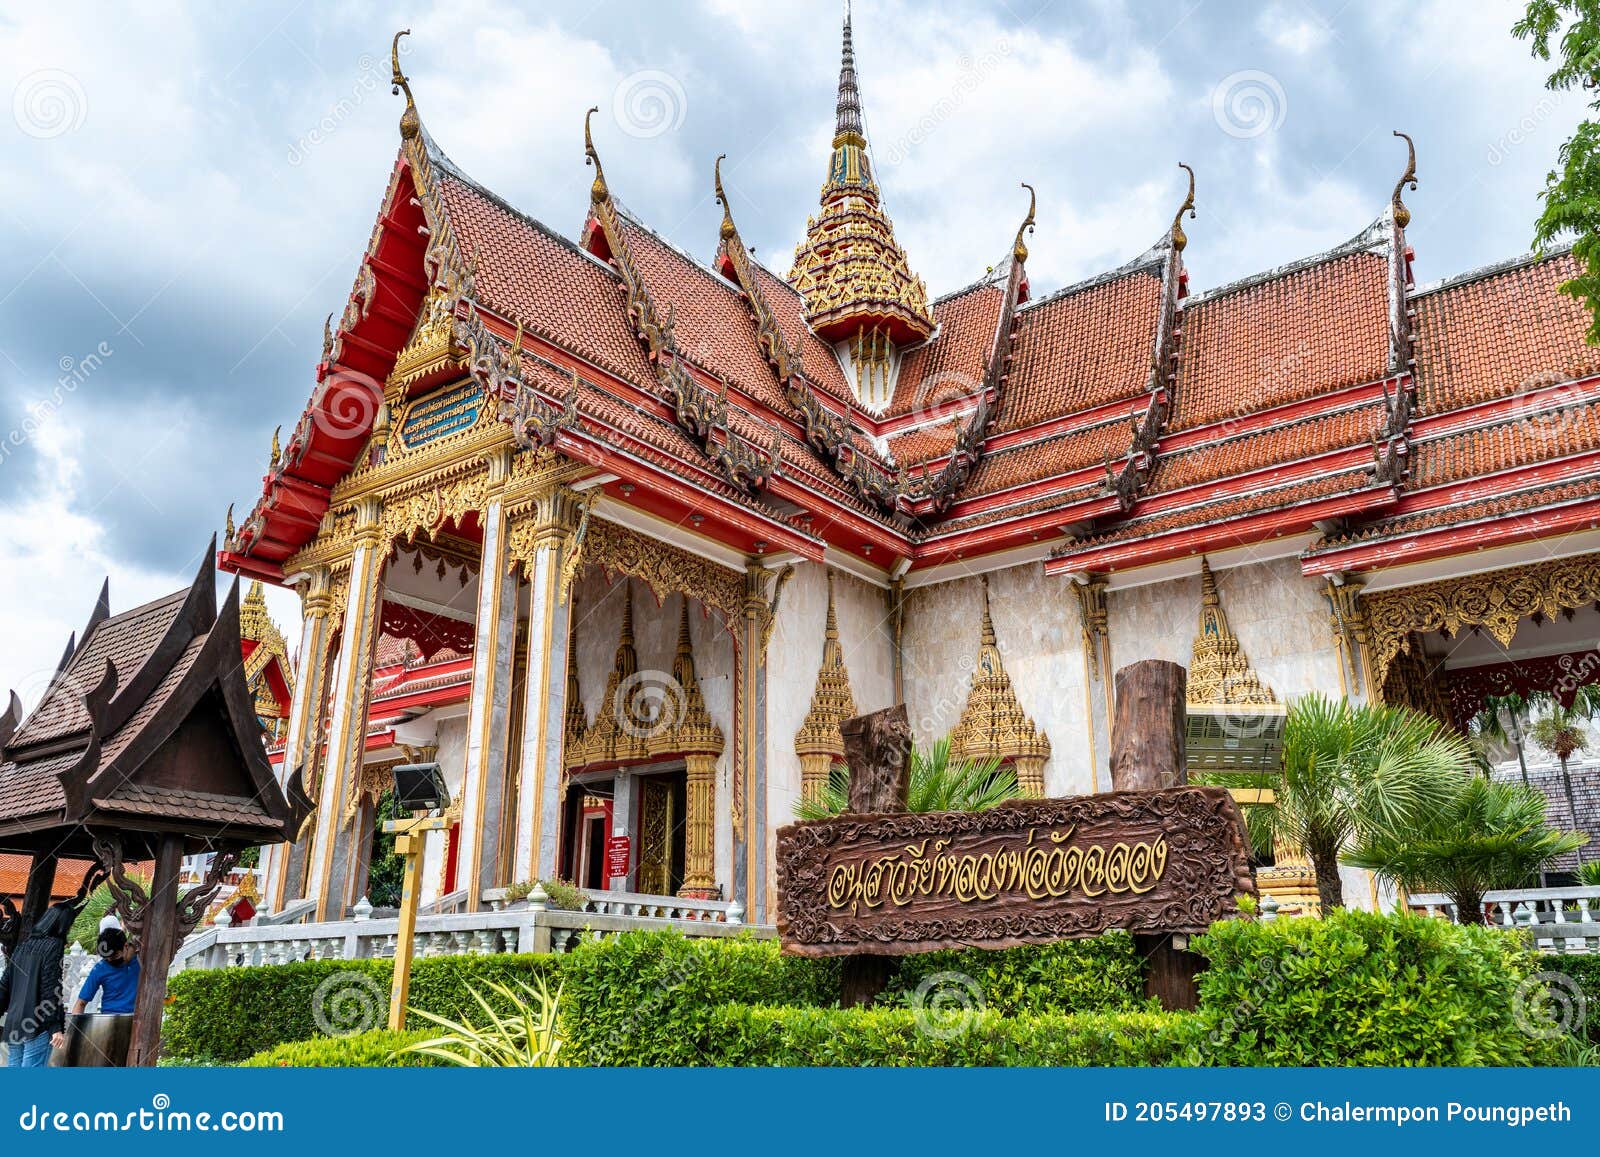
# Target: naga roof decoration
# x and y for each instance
(1219, 673)
(1139, 423)
(850, 269)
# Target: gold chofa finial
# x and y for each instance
(1179, 238)
(722, 199)
(228, 531)
(277, 453)
(1020, 249)
(1402, 215)
(597, 191)
(410, 122)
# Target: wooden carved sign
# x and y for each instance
(1025, 872)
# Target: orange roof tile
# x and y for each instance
(1081, 348)
(1499, 505)
(1489, 336)
(1291, 443)
(1061, 454)
(1302, 333)
(1526, 439)
(952, 365)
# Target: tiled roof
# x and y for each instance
(125, 640)
(1060, 454)
(952, 365)
(69, 875)
(527, 272)
(1491, 336)
(146, 799)
(1585, 783)
(1496, 506)
(926, 443)
(711, 320)
(1280, 339)
(1290, 443)
(1526, 439)
(816, 356)
(34, 788)
(1254, 502)
(1082, 348)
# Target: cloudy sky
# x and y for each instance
(186, 191)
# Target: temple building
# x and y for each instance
(618, 536)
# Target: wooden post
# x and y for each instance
(1147, 755)
(410, 840)
(158, 940)
(877, 749)
(36, 896)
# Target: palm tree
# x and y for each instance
(939, 782)
(1350, 771)
(1560, 732)
(1485, 835)
(1504, 718)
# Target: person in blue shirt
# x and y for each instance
(115, 976)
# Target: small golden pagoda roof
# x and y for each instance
(993, 724)
(850, 270)
(832, 701)
(1219, 671)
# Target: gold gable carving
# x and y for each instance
(665, 569)
(993, 724)
(1497, 601)
(1219, 672)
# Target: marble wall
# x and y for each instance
(1039, 636)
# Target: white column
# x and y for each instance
(539, 797)
(621, 821)
(352, 680)
(305, 719)
(489, 712)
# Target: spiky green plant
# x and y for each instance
(523, 1031)
(1350, 771)
(1485, 835)
(939, 782)
(1589, 874)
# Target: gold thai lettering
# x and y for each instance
(1047, 867)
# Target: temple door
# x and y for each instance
(657, 821)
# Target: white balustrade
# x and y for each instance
(1559, 920)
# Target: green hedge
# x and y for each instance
(1356, 988)
(892, 1037)
(646, 998)
(1104, 974)
(225, 1015)
(363, 1050)
(1585, 973)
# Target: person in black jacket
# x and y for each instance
(30, 990)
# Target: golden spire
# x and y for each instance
(993, 724)
(691, 730)
(1219, 671)
(256, 626)
(832, 701)
(1020, 249)
(410, 122)
(1402, 215)
(850, 270)
(616, 734)
(1179, 238)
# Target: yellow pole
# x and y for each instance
(410, 838)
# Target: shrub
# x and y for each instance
(743, 1035)
(646, 998)
(225, 1015)
(1585, 974)
(1100, 975)
(1357, 988)
(560, 894)
(378, 1048)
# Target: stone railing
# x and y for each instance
(1559, 919)
(521, 927)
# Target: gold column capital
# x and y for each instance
(369, 522)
